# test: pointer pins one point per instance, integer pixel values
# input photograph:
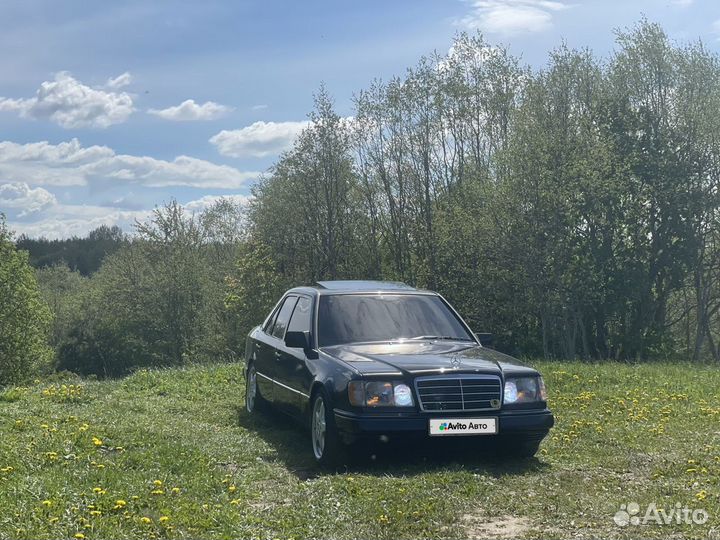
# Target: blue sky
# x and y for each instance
(107, 109)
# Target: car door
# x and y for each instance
(293, 376)
(266, 348)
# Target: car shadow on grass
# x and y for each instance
(405, 456)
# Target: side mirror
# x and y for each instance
(485, 339)
(297, 340)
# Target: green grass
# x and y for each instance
(173, 454)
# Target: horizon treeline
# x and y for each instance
(572, 211)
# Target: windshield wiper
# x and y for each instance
(449, 338)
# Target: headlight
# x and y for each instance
(524, 390)
(379, 394)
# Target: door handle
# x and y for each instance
(277, 355)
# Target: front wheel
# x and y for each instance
(327, 447)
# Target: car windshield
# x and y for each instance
(355, 318)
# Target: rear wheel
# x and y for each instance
(327, 447)
(253, 399)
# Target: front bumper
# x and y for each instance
(530, 424)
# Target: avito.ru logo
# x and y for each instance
(630, 514)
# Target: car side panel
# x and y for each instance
(264, 355)
(294, 380)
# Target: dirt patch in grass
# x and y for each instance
(478, 526)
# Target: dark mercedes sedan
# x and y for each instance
(358, 359)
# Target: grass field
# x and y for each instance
(173, 454)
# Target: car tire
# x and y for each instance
(254, 401)
(326, 445)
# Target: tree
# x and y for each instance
(62, 289)
(252, 288)
(307, 210)
(158, 301)
(24, 316)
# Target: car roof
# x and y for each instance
(353, 286)
(364, 285)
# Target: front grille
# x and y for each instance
(459, 393)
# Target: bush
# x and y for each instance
(158, 301)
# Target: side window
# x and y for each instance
(271, 320)
(301, 318)
(283, 317)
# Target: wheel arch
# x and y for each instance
(315, 388)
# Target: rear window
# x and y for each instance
(283, 317)
(301, 317)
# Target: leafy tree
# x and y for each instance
(24, 316)
(253, 288)
(61, 288)
(158, 301)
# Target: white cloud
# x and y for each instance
(66, 220)
(71, 164)
(23, 199)
(260, 139)
(71, 104)
(188, 110)
(120, 81)
(512, 16)
(259, 107)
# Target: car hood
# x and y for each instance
(423, 358)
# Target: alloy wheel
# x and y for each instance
(319, 427)
(251, 389)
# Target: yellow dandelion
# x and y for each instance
(96, 441)
(175, 490)
(95, 513)
(157, 483)
(157, 492)
(145, 520)
(164, 519)
(79, 536)
(84, 427)
(235, 502)
(701, 495)
(121, 503)
(232, 489)
(47, 502)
